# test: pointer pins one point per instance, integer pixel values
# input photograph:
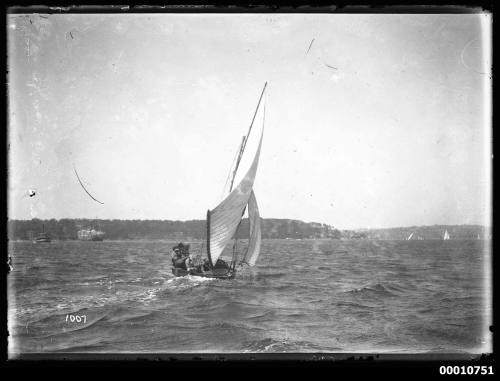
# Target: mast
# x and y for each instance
(208, 240)
(245, 138)
(242, 147)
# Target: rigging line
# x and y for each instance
(202, 245)
(240, 153)
(254, 115)
(80, 181)
(246, 138)
(203, 242)
(229, 174)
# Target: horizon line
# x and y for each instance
(264, 218)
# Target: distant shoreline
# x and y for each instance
(195, 230)
(170, 241)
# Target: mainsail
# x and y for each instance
(446, 235)
(409, 237)
(254, 238)
(223, 221)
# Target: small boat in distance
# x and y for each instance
(409, 237)
(446, 235)
(42, 237)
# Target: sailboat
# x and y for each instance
(446, 235)
(42, 237)
(409, 237)
(223, 221)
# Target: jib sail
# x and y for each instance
(254, 239)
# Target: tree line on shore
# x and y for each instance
(66, 229)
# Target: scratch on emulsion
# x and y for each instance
(463, 61)
(309, 48)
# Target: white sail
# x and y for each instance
(223, 221)
(446, 235)
(409, 237)
(254, 239)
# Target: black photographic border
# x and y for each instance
(333, 364)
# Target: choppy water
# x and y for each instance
(303, 296)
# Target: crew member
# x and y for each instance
(176, 255)
(189, 265)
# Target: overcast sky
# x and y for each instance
(371, 120)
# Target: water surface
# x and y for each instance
(303, 296)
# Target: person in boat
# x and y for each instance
(184, 249)
(189, 265)
(202, 266)
(205, 266)
(176, 255)
(181, 258)
(179, 255)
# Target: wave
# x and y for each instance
(271, 275)
(354, 305)
(106, 299)
(380, 289)
(58, 322)
(261, 316)
(281, 345)
(324, 268)
(127, 315)
(225, 325)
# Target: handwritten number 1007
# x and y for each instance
(77, 318)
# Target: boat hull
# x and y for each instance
(95, 239)
(216, 274)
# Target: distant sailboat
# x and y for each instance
(409, 237)
(446, 235)
(224, 220)
(42, 237)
